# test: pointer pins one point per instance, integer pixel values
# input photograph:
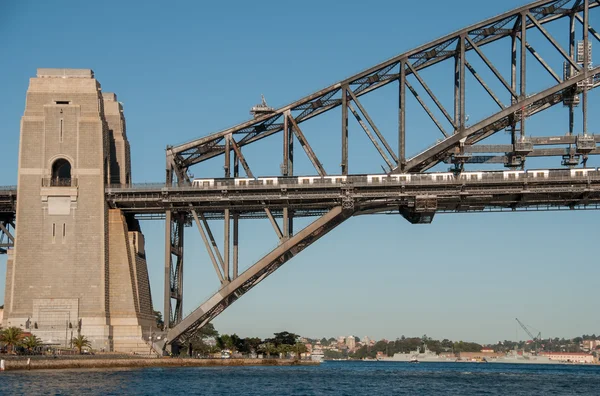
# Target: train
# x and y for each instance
(403, 178)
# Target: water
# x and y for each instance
(331, 378)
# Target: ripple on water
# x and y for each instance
(331, 378)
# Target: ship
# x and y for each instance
(428, 356)
(417, 357)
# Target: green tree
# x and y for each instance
(11, 337)
(31, 342)
(268, 348)
(160, 323)
(250, 344)
(198, 340)
(324, 341)
(81, 342)
(284, 338)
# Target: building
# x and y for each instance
(590, 345)
(574, 357)
(350, 342)
(77, 266)
(366, 340)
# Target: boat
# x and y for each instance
(418, 357)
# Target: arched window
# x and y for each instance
(61, 173)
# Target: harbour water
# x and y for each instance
(330, 378)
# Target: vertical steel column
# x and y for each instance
(226, 249)
(178, 314)
(586, 62)
(236, 221)
(288, 139)
(572, 55)
(227, 165)
(168, 257)
(344, 130)
(402, 116)
(168, 264)
(513, 83)
(457, 89)
(523, 68)
(227, 219)
(463, 117)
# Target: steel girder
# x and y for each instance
(234, 289)
(513, 25)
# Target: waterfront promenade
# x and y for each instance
(108, 362)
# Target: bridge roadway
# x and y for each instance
(151, 201)
(310, 200)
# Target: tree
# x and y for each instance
(81, 342)
(268, 348)
(324, 341)
(160, 323)
(198, 340)
(31, 342)
(284, 338)
(11, 337)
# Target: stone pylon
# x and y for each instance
(77, 266)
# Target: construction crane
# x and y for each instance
(534, 339)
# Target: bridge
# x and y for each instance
(408, 185)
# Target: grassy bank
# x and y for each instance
(91, 362)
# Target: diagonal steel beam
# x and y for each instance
(491, 66)
(213, 242)
(427, 110)
(552, 40)
(544, 64)
(5, 231)
(375, 129)
(230, 292)
(370, 135)
(208, 247)
(241, 158)
(484, 85)
(249, 173)
(309, 151)
(431, 94)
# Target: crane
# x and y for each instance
(534, 339)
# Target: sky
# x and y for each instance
(187, 69)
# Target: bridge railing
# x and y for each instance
(423, 179)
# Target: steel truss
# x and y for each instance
(459, 146)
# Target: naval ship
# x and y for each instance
(428, 356)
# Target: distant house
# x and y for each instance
(487, 350)
(575, 357)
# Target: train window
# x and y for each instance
(269, 182)
(512, 176)
(375, 180)
(540, 174)
(205, 183)
(305, 181)
(439, 177)
(578, 173)
(473, 177)
(338, 179)
(402, 178)
(242, 182)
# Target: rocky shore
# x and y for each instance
(95, 363)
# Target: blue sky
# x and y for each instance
(187, 69)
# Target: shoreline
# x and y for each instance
(92, 363)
